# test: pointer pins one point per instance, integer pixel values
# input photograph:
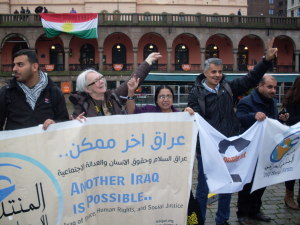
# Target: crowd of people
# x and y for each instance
(31, 98)
(37, 10)
(22, 15)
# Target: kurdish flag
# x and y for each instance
(83, 25)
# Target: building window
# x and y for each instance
(298, 11)
(18, 46)
(292, 13)
(292, 2)
(271, 2)
(271, 11)
(119, 55)
(212, 51)
(243, 58)
(87, 56)
(57, 57)
(181, 56)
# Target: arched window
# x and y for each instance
(212, 51)
(148, 49)
(242, 58)
(181, 56)
(57, 58)
(87, 57)
(19, 46)
(119, 55)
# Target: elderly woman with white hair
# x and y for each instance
(92, 98)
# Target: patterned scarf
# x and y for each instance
(32, 94)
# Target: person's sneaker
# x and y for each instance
(261, 217)
(244, 221)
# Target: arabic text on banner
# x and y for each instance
(134, 168)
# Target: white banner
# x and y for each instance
(228, 162)
(280, 155)
(133, 169)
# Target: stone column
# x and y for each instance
(296, 61)
(67, 54)
(135, 63)
(235, 57)
(202, 56)
(169, 51)
(101, 50)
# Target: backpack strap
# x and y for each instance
(228, 89)
(201, 102)
(114, 96)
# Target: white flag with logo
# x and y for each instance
(228, 163)
(280, 156)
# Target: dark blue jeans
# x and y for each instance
(223, 211)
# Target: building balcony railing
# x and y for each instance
(118, 67)
(159, 67)
(199, 20)
(195, 68)
(81, 67)
(186, 67)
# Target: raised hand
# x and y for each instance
(153, 57)
(271, 52)
(132, 85)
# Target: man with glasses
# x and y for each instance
(31, 98)
(92, 98)
(213, 98)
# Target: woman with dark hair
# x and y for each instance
(291, 104)
(163, 99)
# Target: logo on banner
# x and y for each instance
(32, 205)
(284, 147)
(233, 155)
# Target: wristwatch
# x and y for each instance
(264, 58)
(130, 97)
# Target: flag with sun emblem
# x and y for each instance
(82, 25)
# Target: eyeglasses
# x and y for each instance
(165, 96)
(96, 80)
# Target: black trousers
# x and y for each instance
(290, 185)
(249, 204)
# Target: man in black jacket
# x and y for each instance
(31, 97)
(256, 107)
(213, 98)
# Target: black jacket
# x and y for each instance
(294, 111)
(16, 113)
(251, 104)
(219, 107)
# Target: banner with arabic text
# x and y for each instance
(133, 169)
(279, 158)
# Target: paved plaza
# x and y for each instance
(273, 206)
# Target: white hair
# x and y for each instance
(81, 82)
